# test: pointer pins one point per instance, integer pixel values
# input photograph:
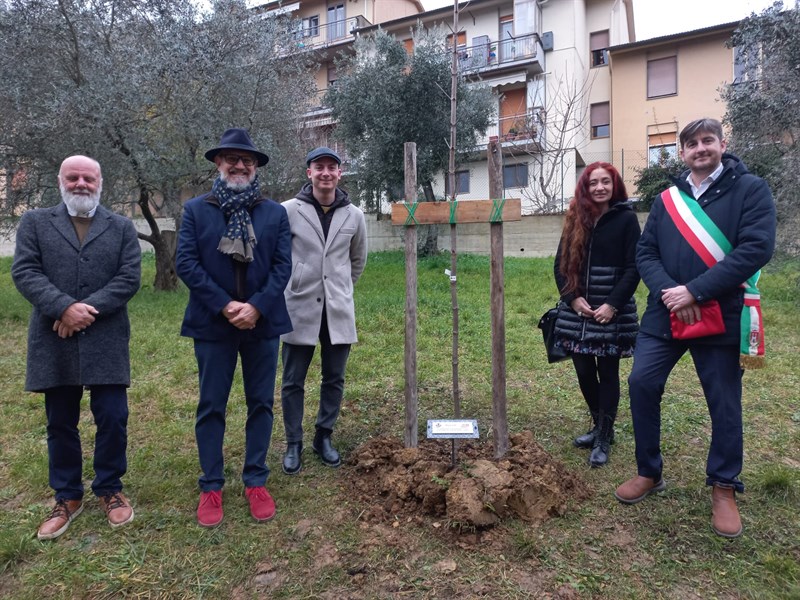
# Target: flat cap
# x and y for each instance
(322, 152)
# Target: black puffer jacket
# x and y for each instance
(611, 277)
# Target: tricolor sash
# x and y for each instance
(711, 246)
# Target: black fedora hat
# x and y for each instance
(236, 138)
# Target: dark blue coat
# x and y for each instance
(741, 205)
(209, 274)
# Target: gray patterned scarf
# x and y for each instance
(239, 238)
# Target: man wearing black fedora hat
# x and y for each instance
(329, 251)
(234, 255)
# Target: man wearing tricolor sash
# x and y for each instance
(700, 255)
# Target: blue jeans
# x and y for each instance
(109, 405)
(216, 362)
(721, 378)
(296, 360)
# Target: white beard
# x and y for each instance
(237, 186)
(80, 204)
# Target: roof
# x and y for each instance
(674, 37)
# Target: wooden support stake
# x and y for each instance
(412, 401)
(497, 285)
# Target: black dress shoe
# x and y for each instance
(291, 460)
(327, 453)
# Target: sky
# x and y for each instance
(654, 18)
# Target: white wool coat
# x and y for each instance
(324, 272)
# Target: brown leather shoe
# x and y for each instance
(725, 520)
(60, 517)
(637, 489)
(118, 509)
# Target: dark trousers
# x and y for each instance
(109, 406)
(216, 362)
(721, 378)
(296, 360)
(598, 378)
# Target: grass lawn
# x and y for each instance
(320, 546)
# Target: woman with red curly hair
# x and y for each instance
(595, 270)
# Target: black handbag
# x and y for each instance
(548, 326)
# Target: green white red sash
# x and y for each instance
(711, 246)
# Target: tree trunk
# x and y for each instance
(166, 278)
(164, 244)
(428, 241)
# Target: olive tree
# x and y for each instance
(144, 87)
(763, 108)
(386, 97)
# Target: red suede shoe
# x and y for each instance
(262, 506)
(209, 511)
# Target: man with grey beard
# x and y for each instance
(78, 264)
(234, 255)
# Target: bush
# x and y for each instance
(655, 178)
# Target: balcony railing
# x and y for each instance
(330, 33)
(493, 53)
(526, 128)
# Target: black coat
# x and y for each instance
(741, 205)
(610, 277)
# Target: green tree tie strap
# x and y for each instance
(453, 208)
(411, 208)
(497, 210)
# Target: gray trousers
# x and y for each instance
(296, 360)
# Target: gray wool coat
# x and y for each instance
(324, 272)
(52, 271)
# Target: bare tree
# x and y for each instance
(547, 134)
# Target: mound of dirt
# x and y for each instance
(479, 491)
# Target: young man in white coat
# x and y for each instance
(329, 251)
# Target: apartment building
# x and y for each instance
(661, 84)
(546, 61)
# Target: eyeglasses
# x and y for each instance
(233, 159)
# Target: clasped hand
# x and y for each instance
(241, 315)
(77, 317)
(603, 314)
(679, 300)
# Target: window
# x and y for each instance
(506, 38)
(745, 64)
(462, 183)
(331, 76)
(662, 77)
(513, 112)
(598, 43)
(311, 26)
(515, 176)
(461, 41)
(336, 22)
(599, 116)
(657, 155)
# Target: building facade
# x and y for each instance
(661, 84)
(546, 61)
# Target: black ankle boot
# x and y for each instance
(323, 448)
(602, 441)
(587, 439)
(291, 460)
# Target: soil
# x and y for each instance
(480, 491)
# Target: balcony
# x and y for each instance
(496, 55)
(517, 132)
(322, 36)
